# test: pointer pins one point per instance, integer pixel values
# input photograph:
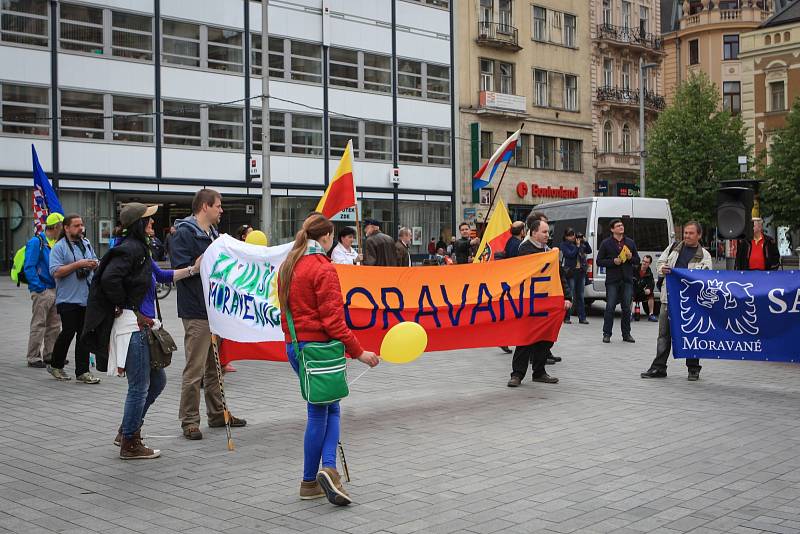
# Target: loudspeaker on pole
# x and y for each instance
(734, 212)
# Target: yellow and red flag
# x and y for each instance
(497, 234)
(341, 192)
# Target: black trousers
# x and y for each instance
(535, 354)
(72, 316)
(664, 345)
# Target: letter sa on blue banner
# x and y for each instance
(735, 315)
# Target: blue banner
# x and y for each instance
(735, 315)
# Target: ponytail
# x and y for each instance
(315, 226)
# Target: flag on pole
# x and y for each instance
(497, 234)
(502, 155)
(45, 199)
(341, 192)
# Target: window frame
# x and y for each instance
(406, 156)
(694, 51)
(571, 152)
(541, 90)
(544, 152)
(539, 24)
(572, 99)
(41, 112)
(409, 90)
(772, 94)
(730, 47)
(506, 79)
(296, 75)
(182, 118)
(24, 38)
(93, 48)
(377, 155)
(307, 149)
(177, 39)
(608, 138)
(732, 100)
(570, 30)
(147, 117)
(70, 113)
(238, 67)
(486, 75)
(148, 53)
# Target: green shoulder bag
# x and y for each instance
(322, 368)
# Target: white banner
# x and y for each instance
(240, 284)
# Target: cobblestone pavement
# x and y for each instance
(440, 445)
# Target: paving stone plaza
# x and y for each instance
(436, 446)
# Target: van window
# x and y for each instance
(557, 228)
(648, 234)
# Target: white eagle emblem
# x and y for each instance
(734, 307)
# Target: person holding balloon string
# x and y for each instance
(312, 315)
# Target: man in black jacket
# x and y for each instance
(618, 255)
(192, 237)
(536, 353)
(464, 248)
(759, 254)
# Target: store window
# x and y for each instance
(24, 110)
(181, 43)
(133, 119)
(377, 73)
(225, 128)
(409, 77)
(543, 149)
(306, 135)
(377, 141)
(306, 65)
(181, 123)
(24, 22)
(343, 67)
(81, 28)
(342, 131)
(82, 115)
(571, 155)
(224, 49)
(410, 144)
(131, 36)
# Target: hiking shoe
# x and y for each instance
(87, 378)
(515, 382)
(694, 376)
(546, 379)
(58, 374)
(118, 439)
(235, 423)
(193, 433)
(331, 484)
(39, 364)
(133, 449)
(654, 373)
(310, 489)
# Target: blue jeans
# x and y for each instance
(619, 292)
(577, 283)
(144, 384)
(322, 430)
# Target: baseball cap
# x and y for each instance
(53, 219)
(133, 211)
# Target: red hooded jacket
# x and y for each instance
(315, 300)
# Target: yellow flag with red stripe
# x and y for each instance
(496, 235)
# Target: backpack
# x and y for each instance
(18, 268)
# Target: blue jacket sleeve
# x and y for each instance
(180, 249)
(56, 258)
(569, 251)
(603, 259)
(163, 276)
(587, 248)
(33, 252)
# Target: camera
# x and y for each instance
(83, 273)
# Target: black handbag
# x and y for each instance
(161, 344)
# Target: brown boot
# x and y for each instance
(133, 449)
(118, 439)
(331, 484)
(310, 489)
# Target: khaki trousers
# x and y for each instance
(199, 366)
(45, 326)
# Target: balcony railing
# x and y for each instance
(498, 35)
(618, 161)
(625, 35)
(714, 15)
(619, 95)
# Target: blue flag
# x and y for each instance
(45, 199)
(735, 315)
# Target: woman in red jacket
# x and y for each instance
(309, 287)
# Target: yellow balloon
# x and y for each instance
(404, 343)
(256, 237)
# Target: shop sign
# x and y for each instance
(347, 214)
(627, 190)
(538, 191)
(602, 186)
(470, 214)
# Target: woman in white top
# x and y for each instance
(344, 252)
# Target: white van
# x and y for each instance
(648, 221)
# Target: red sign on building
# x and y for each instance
(546, 191)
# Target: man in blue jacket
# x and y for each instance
(45, 323)
(618, 255)
(192, 237)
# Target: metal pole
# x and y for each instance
(266, 178)
(641, 127)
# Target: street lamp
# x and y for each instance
(642, 153)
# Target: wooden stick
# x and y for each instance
(497, 191)
(225, 412)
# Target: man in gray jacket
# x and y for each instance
(686, 254)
